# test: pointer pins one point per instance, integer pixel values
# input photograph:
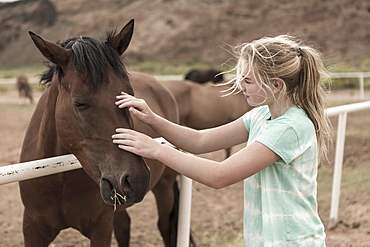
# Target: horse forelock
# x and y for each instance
(92, 58)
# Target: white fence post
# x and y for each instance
(342, 112)
(337, 176)
(183, 226)
(362, 86)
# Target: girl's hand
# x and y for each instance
(136, 142)
(137, 107)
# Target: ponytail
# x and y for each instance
(309, 94)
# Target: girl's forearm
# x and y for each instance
(200, 141)
(180, 136)
(204, 171)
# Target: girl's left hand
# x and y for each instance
(136, 142)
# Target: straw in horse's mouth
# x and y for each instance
(116, 198)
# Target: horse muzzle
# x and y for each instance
(116, 195)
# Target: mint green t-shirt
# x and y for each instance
(280, 206)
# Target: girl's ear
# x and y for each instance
(277, 84)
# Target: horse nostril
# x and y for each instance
(125, 184)
(106, 186)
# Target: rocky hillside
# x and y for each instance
(186, 30)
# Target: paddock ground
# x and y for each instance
(216, 214)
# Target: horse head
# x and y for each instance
(87, 74)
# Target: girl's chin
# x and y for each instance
(253, 103)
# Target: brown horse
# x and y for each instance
(76, 114)
(202, 106)
(24, 88)
(204, 76)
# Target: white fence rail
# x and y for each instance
(359, 75)
(32, 169)
(38, 168)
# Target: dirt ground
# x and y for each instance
(216, 214)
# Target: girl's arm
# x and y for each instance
(185, 138)
(237, 167)
(202, 141)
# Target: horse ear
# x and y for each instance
(121, 41)
(51, 51)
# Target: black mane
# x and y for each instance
(91, 57)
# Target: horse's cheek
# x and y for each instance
(64, 116)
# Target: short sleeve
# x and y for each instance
(247, 121)
(288, 140)
(255, 118)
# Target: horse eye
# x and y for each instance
(80, 105)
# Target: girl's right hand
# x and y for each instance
(137, 107)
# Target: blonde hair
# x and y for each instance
(299, 66)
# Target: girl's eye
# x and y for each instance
(246, 81)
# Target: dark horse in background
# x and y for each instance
(24, 88)
(204, 106)
(204, 76)
(76, 114)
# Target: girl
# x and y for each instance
(286, 135)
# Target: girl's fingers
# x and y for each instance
(133, 141)
(123, 97)
(123, 94)
(124, 138)
(123, 131)
(118, 138)
(127, 148)
(123, 142)
(129, 101)
(122, 100)
(123, 103)
(125, 134)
